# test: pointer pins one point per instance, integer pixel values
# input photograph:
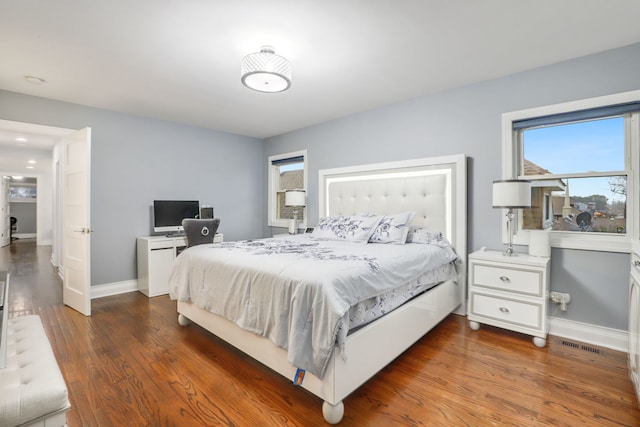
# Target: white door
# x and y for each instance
(76, 221)
(5, 220)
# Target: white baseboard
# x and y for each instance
(44, 243)
(24, 235)
(109, 289)
(614, 339)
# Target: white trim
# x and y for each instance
(271, 205)
(614, 339)
(592, 241)
(116, 288)
(24, 235)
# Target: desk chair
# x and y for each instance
(200, 231)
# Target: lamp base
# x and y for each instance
(293, 226)
(509, 252)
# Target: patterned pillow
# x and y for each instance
(393, 229)
(426, 235)
(348, 228)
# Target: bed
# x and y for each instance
(434, 189)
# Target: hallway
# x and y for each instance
(34, 282)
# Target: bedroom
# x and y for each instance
(134, 160)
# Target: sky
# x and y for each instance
(596, 145)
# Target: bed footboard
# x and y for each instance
(342, 377)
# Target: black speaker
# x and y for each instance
(206, 212)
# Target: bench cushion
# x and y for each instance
(32, 385)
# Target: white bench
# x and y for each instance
(32, 389)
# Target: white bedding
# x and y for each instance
(295, 290)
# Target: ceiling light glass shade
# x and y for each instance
(265, 71)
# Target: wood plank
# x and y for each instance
(130, 363)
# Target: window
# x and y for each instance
(581, 159)
(286, 172)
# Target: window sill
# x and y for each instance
(620, 243)
(285, 224)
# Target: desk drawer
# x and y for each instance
(520, 313)
(160, 244)
(516, 280)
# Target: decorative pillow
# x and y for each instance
(392, 229)
(425, 235)
(348, 228)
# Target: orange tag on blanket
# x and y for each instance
(299, 377)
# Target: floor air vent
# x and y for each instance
(581, 347)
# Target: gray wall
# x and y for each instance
(135, 160)
(25, 213)
(468, 120)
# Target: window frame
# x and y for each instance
(273, 175)
(512, 157)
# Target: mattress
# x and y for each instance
(367, 311)
(298, 291)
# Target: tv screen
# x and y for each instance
(168, 214)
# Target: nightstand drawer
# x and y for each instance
(516, 280)
(515, 312)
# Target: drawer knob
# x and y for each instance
(636, 263)
(504, 310)
(505, 279)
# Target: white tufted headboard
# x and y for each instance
(435, 188)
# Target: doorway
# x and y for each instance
(47, 151)
(22, 195)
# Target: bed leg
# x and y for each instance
(182, 320)
(333, 413)
(539, 342)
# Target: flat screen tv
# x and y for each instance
(168, 214)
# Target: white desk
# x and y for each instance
(155, 258)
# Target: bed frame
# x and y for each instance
(433, 187)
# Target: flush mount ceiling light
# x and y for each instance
(265, 71)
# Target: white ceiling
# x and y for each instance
(180, 60)
(26, 148)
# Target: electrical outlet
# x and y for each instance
(560, 298)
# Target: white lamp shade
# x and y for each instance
(294, 198)
(512, 193)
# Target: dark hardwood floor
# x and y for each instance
(130, 364)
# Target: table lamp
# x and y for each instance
(294, 199)
(511, 194)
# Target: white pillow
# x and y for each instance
(426, 235)
(347, 228)
(392, 229)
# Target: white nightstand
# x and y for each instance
(510, 292)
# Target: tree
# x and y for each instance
(618, 185)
